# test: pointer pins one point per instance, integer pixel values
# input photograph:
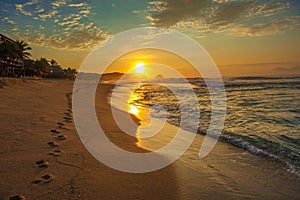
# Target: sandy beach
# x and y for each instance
(42, 156)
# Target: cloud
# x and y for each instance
(75, 36)
(244, 18)
(84, 12)
(68, 26)
(40, 10)
(212, 13)
(228, 13)
(271, 28)
(76, 4)
(271, 8)
(69, 23)
(58, 3)
(20, 8)
(82, 38)
(170, 12)
(15, 28)
(8, 20)
(158, 5)
(48, 15)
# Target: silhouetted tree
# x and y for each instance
(22, 50)
(13, 52)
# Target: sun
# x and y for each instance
(139, 68)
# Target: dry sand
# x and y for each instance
(42, 157)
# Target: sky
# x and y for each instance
(243, 37)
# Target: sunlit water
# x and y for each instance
(263, 114)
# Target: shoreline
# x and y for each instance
(225, 138)
(35, 111)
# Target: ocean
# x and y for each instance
(263, 113)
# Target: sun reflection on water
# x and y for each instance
(151, 134)
(139, 111)
(133, 110)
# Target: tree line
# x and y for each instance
(15, 61)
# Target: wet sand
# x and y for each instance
(42, 156)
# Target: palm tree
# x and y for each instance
(53, 63)
(22, 52)
(43, 67)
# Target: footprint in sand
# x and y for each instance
(68, 114)
(52, 144)
(61, 137)
(42, 164)
(54, 131)
(62, 128)
(60, 124)
(56, 152)
(43, 179)
(68, 119)
(17, 197)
